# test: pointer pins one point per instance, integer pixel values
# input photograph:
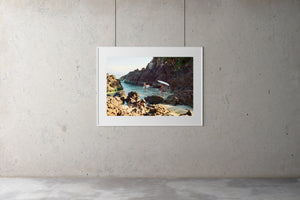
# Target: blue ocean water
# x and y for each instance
(148, 92)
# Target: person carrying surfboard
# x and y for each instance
(162, 83)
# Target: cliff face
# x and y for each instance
(113, 84)
(177, 71)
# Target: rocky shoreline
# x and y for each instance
(120, 104)
(133, 105)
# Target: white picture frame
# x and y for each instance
(195, 120)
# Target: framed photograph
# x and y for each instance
(150, 86)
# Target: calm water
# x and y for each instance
(142, 92)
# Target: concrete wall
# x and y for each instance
(48, 89)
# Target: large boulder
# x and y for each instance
(172, 99)
(185, 97)
(112, 83)
(133, 98)
(154, 99)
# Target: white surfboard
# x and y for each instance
(162, 82)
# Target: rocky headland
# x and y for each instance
(112, 83)
(177, 71)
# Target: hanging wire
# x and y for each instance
(184, 23)
(115, 22)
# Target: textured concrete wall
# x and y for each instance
(48, 89)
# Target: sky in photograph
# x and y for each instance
(120, 66)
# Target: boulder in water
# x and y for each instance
(172, 99)
(154, 99)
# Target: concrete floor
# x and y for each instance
(148, 189)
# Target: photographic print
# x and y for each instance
(149, 86)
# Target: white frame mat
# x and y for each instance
(195, 120)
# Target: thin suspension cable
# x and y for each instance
(115, 22)
(184, 23)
